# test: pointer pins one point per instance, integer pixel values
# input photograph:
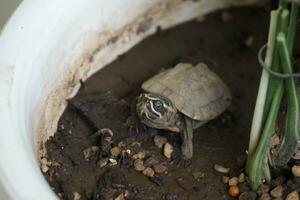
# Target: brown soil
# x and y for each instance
(219, 44)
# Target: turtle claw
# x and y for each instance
(134, 125)
(182, 163)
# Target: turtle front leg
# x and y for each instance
(185, 159)
(187, 139)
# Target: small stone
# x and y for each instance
(121, 145)
(234, 191)
(151, 161)
(296, 155)
(44, 165)
(171, 197)
(148, 172)
(90, 152)
(159, 168)
(126, 152)
(139, 165)
(135, 148)
(274, 140)
(105, 132)
(293, 196)
(248, 196)
(168, 150)
(242, 178)
(233, 181)
(139, 155)
(249, 40)
(76, 196)
(102, 162)
(226, 16)
(120, 197)
(200, 18)
(244, 187)
(277, 192)
(277, 181)
(265, 196)
(263, 188)
(225, 179)
(296, 170)
(159, 141)
(112, 161)
(221, 169)
(115, 151)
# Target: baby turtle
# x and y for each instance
(181, 99)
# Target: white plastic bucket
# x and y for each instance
(46, 48)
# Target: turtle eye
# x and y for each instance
(158, 105)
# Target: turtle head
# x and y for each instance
(157, 111)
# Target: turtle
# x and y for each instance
(181, 99)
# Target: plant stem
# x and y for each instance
(289, 140)
(263, 87)
(256, 162)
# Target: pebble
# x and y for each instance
(275, 140)
(115, 151)
(296, 170)
(159, 141)
(139, 165)
(148, 172)
(277, 191)
(151, 161)
(44, 165)
(248, 196)
(226, 16)
(249, 40)
(76, 196)
(242, 178)
(296, 156)
(221, 169)
(89, 152)
(293, 196)
(225, 179)
(265, 196)
(121, 144)
(105, 132)
(200, 18)
(277, 181)
(112, 161)
(159, 168)
(120, 197)
(233, 181)
(244, 187)
(171, 197)
(168, 150)
(139, 155)
(102, 162)
(263, 188)
(234, 191)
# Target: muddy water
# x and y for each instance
(219, 44)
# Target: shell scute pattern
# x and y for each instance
(195, 90)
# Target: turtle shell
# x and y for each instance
(195, 90)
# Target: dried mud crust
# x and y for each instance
(75, 155)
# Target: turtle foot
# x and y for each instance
(134, 125)
(181, 162)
